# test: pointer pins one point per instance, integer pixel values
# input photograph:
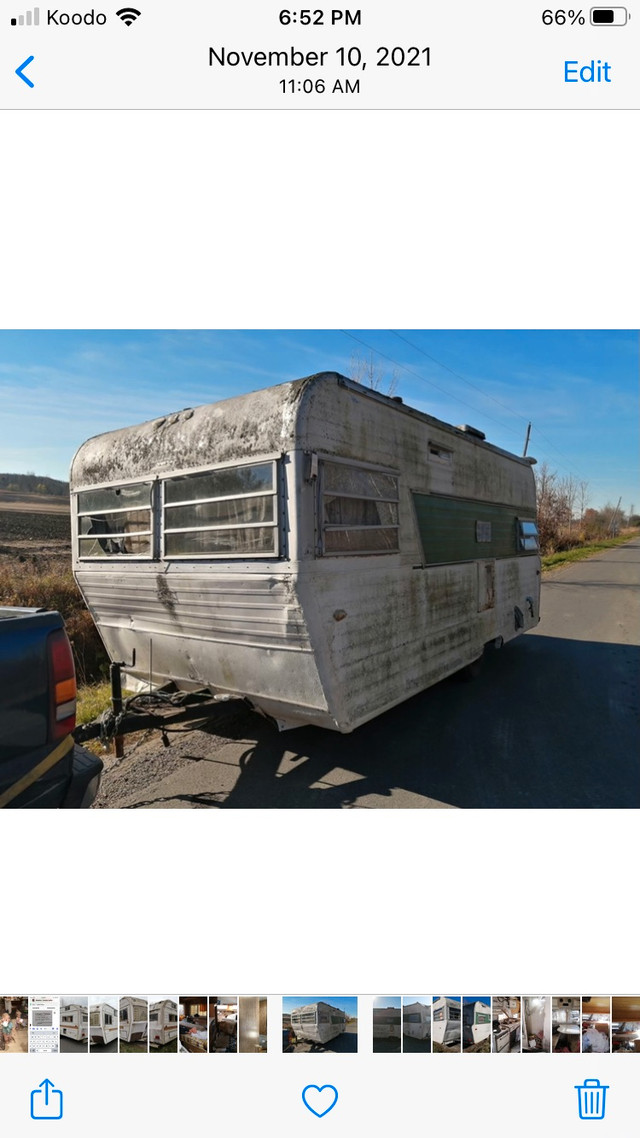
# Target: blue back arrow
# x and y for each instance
(20, 69)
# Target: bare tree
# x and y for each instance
(371, 374)
(583, 497)
(556, 502)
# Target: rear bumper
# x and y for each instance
(44, 781)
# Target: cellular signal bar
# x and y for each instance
(31, 19)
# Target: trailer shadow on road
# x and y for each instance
(549, 722)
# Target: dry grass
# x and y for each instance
(580, 552)
(49, 583)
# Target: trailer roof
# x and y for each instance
(267, 421)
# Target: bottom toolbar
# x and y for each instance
(313, 1024)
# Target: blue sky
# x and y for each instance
(386, 1001)
(477, 999)
(346, 1004)
(579, 388)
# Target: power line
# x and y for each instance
(449, 394)
(485, 394)
(421, 379)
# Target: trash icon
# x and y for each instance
(591, 1098)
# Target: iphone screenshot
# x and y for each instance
(319, 568)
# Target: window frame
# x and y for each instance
(151, 533)
(522, 537)
(275, 525)
(330, 527)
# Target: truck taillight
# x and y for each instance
(62, 677)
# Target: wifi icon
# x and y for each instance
(128, 15)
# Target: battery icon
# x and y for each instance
(614, 17)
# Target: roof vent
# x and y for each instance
(397, 399)
(471, 431)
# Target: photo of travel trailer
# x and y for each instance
(625, 1025)
(192, 1024)
(134, 1024)
(312, 1024)
(74, 1024)
(416, 1024)
(163, 1025)
(536, 1024)
(446, 1029)
(252, 1025)
(277, 520)
(223, 1025)
(387, 1024)
(103, 1024)
(476, 1023)
(14, 1025)
(596, 1024)
(506, 1024)
(565, 1024)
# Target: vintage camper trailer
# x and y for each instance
(416, 1021)
(74, 1021)
(163, 1023)
(319, 548)
(446, 1029)
(476, 1021)
(133, 1019)
(318, 1023)
(387, 1023)
(103, 1024)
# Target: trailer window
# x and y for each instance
(528, 537)
(305, 1017)
(440, 454)
(116, 521)
(412, 1017)
(359, 510)
(222, 513)
(438, 1013)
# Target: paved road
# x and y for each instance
(552, 721)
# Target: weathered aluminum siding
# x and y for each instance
(242, 633)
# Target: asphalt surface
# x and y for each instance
(551, 721)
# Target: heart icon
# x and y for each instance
(319, 1100)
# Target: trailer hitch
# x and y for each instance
(161, 710)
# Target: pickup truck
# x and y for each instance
(40, 764)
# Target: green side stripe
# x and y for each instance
(450, 528)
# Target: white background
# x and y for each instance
(499, 220)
